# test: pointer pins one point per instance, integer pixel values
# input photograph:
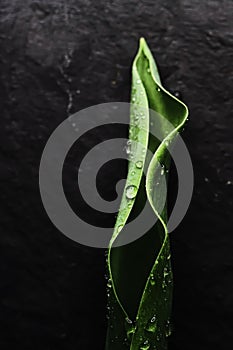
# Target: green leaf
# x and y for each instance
(140, 275)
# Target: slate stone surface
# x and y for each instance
(58, 57)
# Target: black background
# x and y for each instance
(58, 57)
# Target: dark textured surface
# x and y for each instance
(58, 57)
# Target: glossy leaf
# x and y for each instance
(140, 275)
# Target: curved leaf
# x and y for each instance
(140, 276)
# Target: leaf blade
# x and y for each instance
(150, 303)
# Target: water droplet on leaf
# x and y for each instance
(109, 284)
(130, 328)
(119, 228)
(152, 280)
(145, 345)
(165, 272)
(151, 325)
(131, 191)
(168, 329)
(139, 164)
(127, 320)
(128, 147)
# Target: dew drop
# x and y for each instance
(165, 272)
(130, 328)
(145, 345)
(152, 280)
(131, 156)
(109, 284)
(127, 320)
(139, 164)
(168, 329)
(148, 70)
(162, 171)
(158, 89)
(164, 285)
(138, 81)
(131, 191)
(151, 325)
(128, 147)
(119, 228)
